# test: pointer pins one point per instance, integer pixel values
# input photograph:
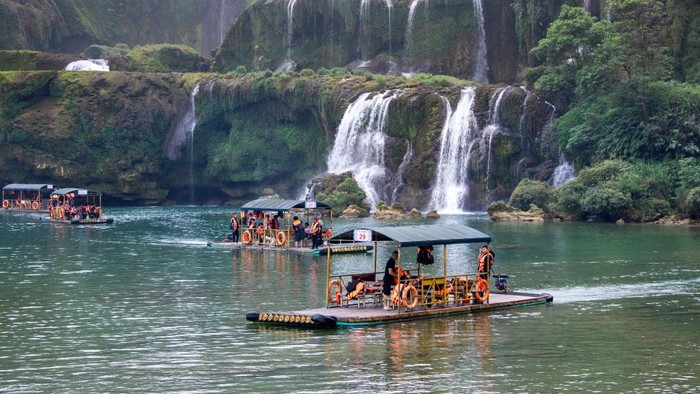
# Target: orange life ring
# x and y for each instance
(35, 205)
(281, 238)
(328, 233)
(5, 203)
(247, 237)
(404, 297)
(481, 290)
(334, 296)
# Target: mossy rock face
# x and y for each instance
(443, 37)
(165, 58)
(31, 60)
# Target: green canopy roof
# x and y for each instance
(421, 235)
(28, 186)
(278, 205)
(76, 191)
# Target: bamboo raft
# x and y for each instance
(370, 312)
(335, 249)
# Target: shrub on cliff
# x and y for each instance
(692, 203)
(345, 194)
(530, 192)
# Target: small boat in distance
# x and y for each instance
(256, 232)
(356, 298)
(31, 197)
(77, 206)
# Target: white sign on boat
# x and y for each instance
(362, 235)
(310, 204)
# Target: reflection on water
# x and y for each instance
(144, 305)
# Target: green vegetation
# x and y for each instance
(530, 192)
(341, 191)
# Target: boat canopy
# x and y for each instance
(76, 191)
(423, 235)
(28, 186)
(281, 205)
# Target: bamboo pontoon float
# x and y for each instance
(415, 297)
(282, 239)
(31, 197)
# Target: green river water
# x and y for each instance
(144, 306)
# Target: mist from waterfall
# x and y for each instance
(481, 69)
(458, 136)
(360, 142)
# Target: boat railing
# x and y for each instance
(412, 292)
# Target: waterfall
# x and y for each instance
(459, 133)
(395, 186)
(359, 144)
(564, 172)
(494, 125)
(521, 122)
(290, 27)
(88, 65)
(192, 124)
(364, 27)
(390, 9)
(481, 69)
(587, 5)
(183, 128)
(222, 21)
(408, 48)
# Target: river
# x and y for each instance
(144, 306)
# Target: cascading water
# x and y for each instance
(408, 46)
(521, 122)
(359, 144)
(390, 9)
(183, 129)
(458, 136)
(289, 63)
(481, 69)
(364, 27)
(587, 5)
(88, 65)
(397, 183)
(564, 172)
(494, 125)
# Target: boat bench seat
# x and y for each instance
(372, 291)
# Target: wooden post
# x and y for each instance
(375, 259)
(398, 269)
(444, 264)
(328, 274)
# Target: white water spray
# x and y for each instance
(359, 143)
(184, 127)
(494, 125)
(408, 46)
(458, 136)
(564, 173)
(481, 69)
(88, 65)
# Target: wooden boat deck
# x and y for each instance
(373, 313)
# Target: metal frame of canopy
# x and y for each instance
(406, 236)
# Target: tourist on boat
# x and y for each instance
(275, 224)
(390, 277)
(485, 262)
(251, 221)
(260, 234)
(298, 231)
(235, 226)
(316, 229)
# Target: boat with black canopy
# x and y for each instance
(77, 206)
(30, 197)
(415, 296)
(256, 230)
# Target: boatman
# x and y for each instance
(485, 262)
(235, 226)
(390, 277)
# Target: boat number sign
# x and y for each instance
(310, 204)
(362, 235)
(82, 192)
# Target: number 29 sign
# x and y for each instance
(362, 235)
